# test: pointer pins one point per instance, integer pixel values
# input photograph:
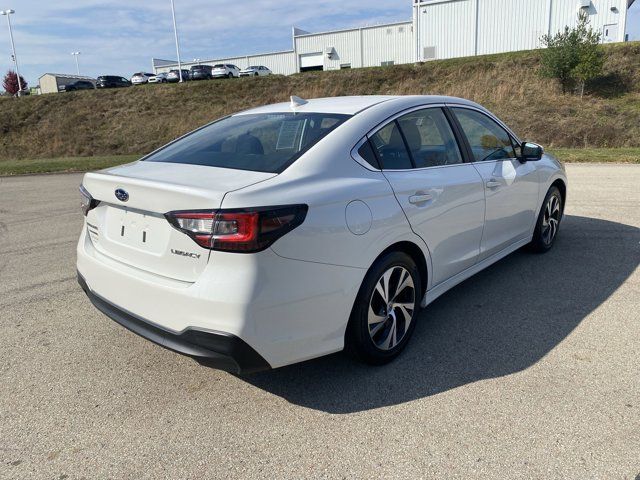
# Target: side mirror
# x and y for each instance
(531, 152)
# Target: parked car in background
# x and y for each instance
(222, 70)
(174, 76)
(294, 230)
(159, 78)
(141, 78)
(112, 81)
(201, 72)
(79, 85)
(255, 71)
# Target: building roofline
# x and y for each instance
(355, 29)
(79, 77)
(224, 58)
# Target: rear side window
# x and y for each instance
(259, 142)
(488, 140)
(390, 148)
(368, 155)
(430, 138)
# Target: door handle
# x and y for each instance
(420, 198)
(493, 184)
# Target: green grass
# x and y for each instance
(84, 164)
(126, 121)
(65, 164)
(597, 155)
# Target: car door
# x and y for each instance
(441, 195)
(510, 186)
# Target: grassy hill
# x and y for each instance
(136, 120)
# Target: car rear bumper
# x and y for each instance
(285, 310)
(220, 350)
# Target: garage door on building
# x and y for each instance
(311, 61)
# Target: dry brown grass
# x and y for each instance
(139, 119)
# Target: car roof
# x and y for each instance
(354, 104)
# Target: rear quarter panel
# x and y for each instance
(327, 179)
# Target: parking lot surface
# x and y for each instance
(531, 369)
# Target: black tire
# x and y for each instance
(362, 344)
(230, 75)
(548, 223)
(256, 74)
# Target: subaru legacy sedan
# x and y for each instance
(295, 230)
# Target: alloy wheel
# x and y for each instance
(391, 308)
(551, 219)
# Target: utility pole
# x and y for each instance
(8, 13)
(175, 33)
(75, 55)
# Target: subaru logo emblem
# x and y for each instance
(122, 195)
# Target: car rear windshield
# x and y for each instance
(257, 142)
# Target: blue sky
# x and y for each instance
(121, 36)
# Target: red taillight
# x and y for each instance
(243, 231)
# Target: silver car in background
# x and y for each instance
(255, 71)
(159, 78)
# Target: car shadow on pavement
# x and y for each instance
(499, 322)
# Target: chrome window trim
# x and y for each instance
(426, 168)
(386, 121)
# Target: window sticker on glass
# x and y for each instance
(288, 134)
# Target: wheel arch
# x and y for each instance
(418, 256)
(562, 186)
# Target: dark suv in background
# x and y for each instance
(112, 81)
(79, 85)
(201, 72)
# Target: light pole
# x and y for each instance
(75, 55)
(175, 32)
(8, 13)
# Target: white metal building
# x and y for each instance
(440, 29)
(51, 82)
(461, 28)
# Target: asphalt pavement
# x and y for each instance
(531, 369)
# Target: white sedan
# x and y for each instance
(255, 71)
(292, 231)
(141, 78)
(159, 78)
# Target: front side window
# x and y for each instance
(488, 140)
(430, 138)
(257, 142)
(390, 148)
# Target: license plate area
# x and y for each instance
(144, 231)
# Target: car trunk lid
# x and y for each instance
(129, 225)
